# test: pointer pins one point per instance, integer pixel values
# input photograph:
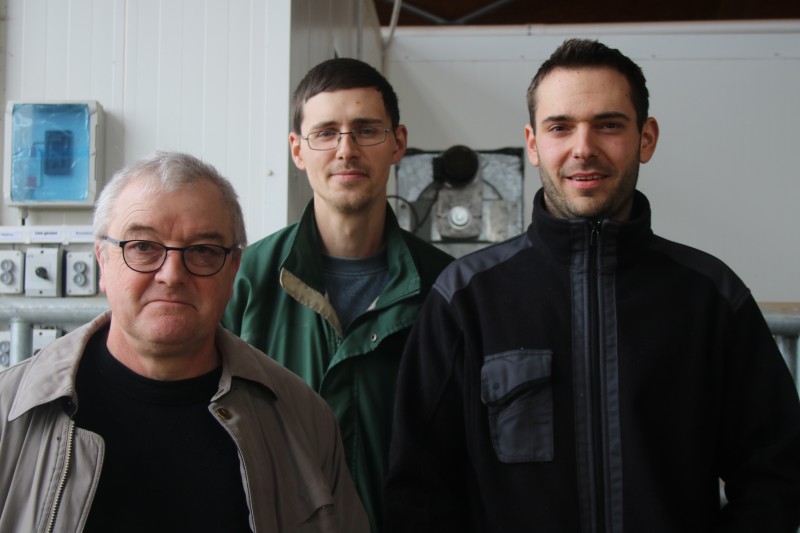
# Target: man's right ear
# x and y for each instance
(100, 255)
(295, 142)
(530, 143)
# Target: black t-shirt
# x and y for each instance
(169, 465)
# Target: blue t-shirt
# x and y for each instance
(353, 285)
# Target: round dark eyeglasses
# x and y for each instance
(148, 256)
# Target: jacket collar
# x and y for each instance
(51, 374)
(242, 361)
(562, 237)
(304, 260)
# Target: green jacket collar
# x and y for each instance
(301, 270)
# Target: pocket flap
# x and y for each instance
(506, 373)
(314, 502)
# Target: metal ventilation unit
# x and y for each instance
(461, 199)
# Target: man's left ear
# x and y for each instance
(648, 140)
(401, 143)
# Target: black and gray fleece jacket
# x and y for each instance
(592, 376)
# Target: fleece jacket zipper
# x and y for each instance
(594, 354)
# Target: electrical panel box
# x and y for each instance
(43, 272)
(5, 349)
(51, 154)
(81, 274)
(42, 337)
(48, 282)
(12, 271)
(38, 261)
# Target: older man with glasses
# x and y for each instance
(153, 417)
(333, 296)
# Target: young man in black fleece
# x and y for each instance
(589, 375)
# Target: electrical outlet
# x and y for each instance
(5, 349)
(11, 271)
(43, 272)
(42, 337)
(81, 274)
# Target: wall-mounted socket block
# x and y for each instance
(12, 271)
(80, 273)
(42, 337)
(5, 349)
(43, 272)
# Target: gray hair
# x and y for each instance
(167, 172)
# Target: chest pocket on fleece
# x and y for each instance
(517, 391)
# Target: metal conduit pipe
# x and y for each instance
(22, 313)
(788, 347)
(52, 311)
(21, 340)
(783, 318)
(788, 325)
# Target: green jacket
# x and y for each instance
(279, 306)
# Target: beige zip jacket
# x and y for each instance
(290, 450)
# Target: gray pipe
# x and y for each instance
(51, 311)
(21, 340)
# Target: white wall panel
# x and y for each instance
(57, 59)
(166, 52)
(140, 104)
(723, 178)
(33, 52)
(210, 77)
(190, 69)
(273, 176)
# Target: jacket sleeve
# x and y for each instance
(425, 489)
(760, 438)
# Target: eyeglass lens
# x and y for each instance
(330, 139)
(200, 259)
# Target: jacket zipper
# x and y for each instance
(595, 375)
(63, 481)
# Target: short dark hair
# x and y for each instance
(338, 74)
(579, 53)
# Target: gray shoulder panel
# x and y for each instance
(458, 274)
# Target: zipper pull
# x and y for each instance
(595, 231)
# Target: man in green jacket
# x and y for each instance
(333, 296)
